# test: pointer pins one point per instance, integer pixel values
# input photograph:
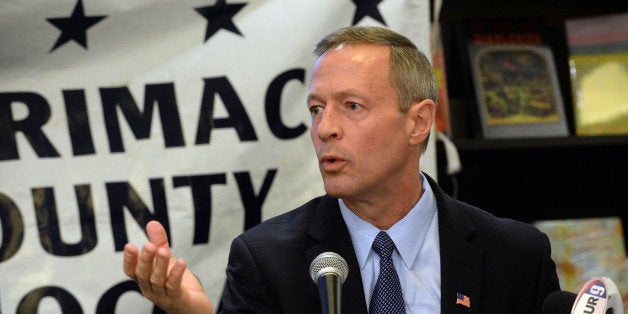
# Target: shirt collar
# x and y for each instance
(408, 234)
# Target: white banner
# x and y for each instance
(114, 113)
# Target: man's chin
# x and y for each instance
(336, 190)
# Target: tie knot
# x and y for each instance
(383, 245)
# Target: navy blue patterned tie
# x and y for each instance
(387, 297)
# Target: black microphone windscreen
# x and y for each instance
(559, 302)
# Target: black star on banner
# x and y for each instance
(74, 27)
(367, 8)
(219, 16)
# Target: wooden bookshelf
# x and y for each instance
(531, 179)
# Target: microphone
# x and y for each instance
(329, 271)
(559, 302)
(599, 295)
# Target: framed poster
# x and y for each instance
(598, 64)
(517, 91)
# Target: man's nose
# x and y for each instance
(329, 124)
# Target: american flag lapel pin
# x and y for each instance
(463, 300)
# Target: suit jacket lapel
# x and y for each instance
(461, 267)
(461, 261)
(330, 234)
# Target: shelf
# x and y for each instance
(457, 9)
(453, 18)
(530, 179)
(540, 179)
(572, 142)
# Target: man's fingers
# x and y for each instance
(144, 267)
(160, 271)
(150, 267)
(130, 260)
(176, 277)
(157, 234)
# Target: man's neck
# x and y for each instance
(384, 212)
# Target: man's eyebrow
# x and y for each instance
(311, 96)
(350, 93)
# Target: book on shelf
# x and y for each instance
(598, 63)
(443, 120)
(587, 247)
(514, 80)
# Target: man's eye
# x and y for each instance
(353, 105)
(316, 110)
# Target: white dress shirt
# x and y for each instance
(416, 259)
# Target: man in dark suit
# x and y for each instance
(372, 100)
(501, 265)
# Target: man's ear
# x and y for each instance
(422, 115)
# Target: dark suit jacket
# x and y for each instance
(503, 266)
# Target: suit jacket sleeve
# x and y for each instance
(268, 267)
(548, 281)
(245, 291)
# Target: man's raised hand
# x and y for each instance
(164, 280)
